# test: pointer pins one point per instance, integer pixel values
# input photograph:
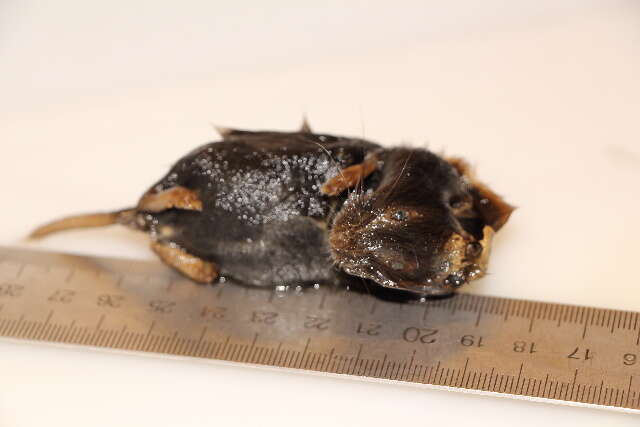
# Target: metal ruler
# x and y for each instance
(516, 348)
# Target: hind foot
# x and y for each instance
(191, 266)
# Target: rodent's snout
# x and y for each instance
(460, 261)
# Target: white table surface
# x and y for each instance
(98, 99)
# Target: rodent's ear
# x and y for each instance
(350, 177)
(494, 210)
(461, 165)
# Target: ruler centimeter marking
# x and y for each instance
(477, 343)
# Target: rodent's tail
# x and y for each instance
(124, 216)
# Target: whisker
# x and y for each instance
(364, 283)
(406, 161)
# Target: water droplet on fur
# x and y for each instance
(454, 280)
(281, 291)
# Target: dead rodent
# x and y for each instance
(277, 208)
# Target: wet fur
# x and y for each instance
(264, 220)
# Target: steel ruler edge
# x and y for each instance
(475, 344)
(374, 380)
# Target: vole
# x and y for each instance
(287, 208)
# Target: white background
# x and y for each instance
(97, 99)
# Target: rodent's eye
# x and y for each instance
(400, 215)
(459, 204)
(474, 249)
(456, 202)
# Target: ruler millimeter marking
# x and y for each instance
(485, 344)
